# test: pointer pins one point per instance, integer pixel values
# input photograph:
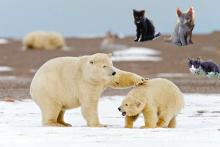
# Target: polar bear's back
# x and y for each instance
(44, 40)
(165, 93)
(161, 92)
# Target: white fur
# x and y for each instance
(43, 40)
(159, 100)
(69, 82)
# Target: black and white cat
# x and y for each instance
(197, 66)
(144, 27)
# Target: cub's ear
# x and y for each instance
(91, 62)
(138, 104)
(178, 12)
(110, 55)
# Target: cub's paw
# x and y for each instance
(128, 126)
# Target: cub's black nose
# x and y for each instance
(119, 109)
(113, 73)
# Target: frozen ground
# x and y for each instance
(136, 54)
(3, 41)
(198, 126)
(5, 68)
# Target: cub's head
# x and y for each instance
(99, 67)
(131, 106)
(138, 16)
(186, 18)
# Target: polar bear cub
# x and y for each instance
(159, 100)
(65, 83)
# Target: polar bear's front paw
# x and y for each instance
(141, 81)
(98, 125)
(143, 127)
(102, 126)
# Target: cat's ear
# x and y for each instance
(143, 12)
(198, 58)
(134, 11)
(178, 12)
(189, 59)
(190, 11)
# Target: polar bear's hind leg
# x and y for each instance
(50, 116)
(172, 123)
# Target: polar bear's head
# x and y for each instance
(131, 106)
(99, 67)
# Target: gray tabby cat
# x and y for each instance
(182, 34)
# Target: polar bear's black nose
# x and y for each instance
(119, 109)
(113, 73)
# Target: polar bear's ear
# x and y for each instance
(138, 103)
(91, 62)
(110, 55)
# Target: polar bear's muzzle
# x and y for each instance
(113, 73)
(122, 112)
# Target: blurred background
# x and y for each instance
(84, 27)
(94, 17)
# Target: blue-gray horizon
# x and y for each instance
(95, 17)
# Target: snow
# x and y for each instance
(197, 125)
(5, 68)
(172, 75)
(136, 54)
(3, 41)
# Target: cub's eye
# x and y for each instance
(91, 62)
(104, 66)
(126, 104)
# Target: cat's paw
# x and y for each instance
(190, 42)
(141, 40)
(136, 40)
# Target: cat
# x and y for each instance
(145, 29)
(182, 34)
(207, 67)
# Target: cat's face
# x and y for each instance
(138, 16)
(185, 18)
(194, 64)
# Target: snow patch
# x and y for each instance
(5, 69)
(172, 75)
(136, 54)
(197, 125)
(3, 41)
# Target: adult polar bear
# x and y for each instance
(69, 82)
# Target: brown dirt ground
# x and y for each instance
(174, 61)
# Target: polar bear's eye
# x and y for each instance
(91, 62)
(126, 104)
(104, 66)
